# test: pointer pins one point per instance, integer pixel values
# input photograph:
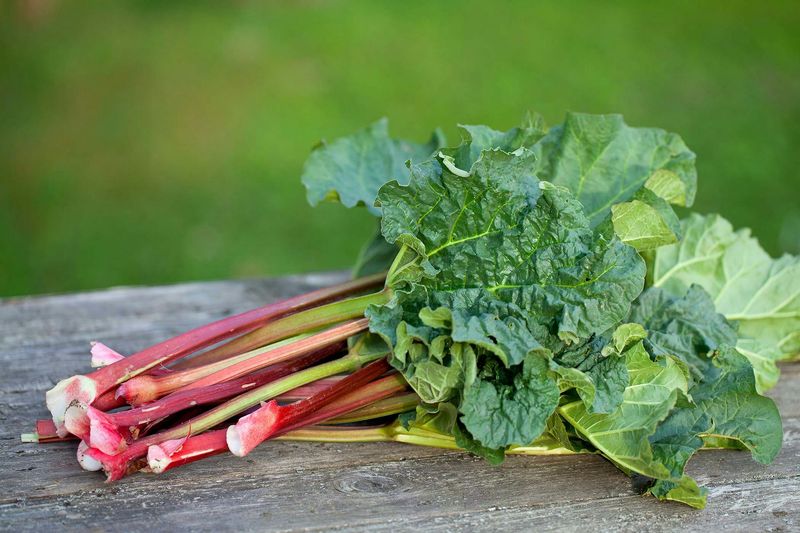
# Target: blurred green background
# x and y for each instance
(155, 142)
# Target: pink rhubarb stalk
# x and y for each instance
(117, 466)
(178, 452)
(112, 442)
(99, 434)
(146, 388)
(87, 388)
(271, 419)
(283, 353)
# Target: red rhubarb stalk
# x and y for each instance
(386, 407)
(302, 322)
(117, 466)
(271, 419)
(301, 393)
(110, 443)
(89, 423)
(178, 452)
(283, 353)
(146, 388)
(105, 440)
(86, 388)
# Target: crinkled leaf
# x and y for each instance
(525, 242)
(603, 161)
(351, 169)
(474, 317)
(687, 327)
(622, 436)
(598, 374)
(509, 406)
(726, 406)
(760, 293)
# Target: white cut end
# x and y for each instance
(76, 422)
(157, 459)
(29, 437)
(234, 441)
(86, 461)
(102, 355)
(60, 397)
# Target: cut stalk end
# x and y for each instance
(138, 390)
(86, 461)
(159, 455)
(58, 399)
(76, 421)
(29, 437)
(253, 429)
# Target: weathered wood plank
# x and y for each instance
(356, 486)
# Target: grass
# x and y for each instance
(144, 143)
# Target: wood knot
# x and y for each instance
(367, 483)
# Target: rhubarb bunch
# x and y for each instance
(530, 291)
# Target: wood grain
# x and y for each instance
(349, 486)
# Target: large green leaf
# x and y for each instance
(760, 293)
(604, 162)
(607, 163)
(351, 169)
(723, 403)
(622, 436)
(523, 241)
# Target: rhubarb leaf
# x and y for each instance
(761, 294)
(525, 242)
(726, 404)
(597, 369)
(507, 271)
(509, 406)
(477, 138)
(351, 169)
(687, 327)
(646, 222)
(635, 172)
(622, 436)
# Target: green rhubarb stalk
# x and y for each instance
(395, 432)
(296, 324)
(386, 407)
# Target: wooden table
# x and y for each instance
(288, 486)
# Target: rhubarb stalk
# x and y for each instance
(178, 452)
(271, 419)
(117, 466)
(146, 388)
(86, 388)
